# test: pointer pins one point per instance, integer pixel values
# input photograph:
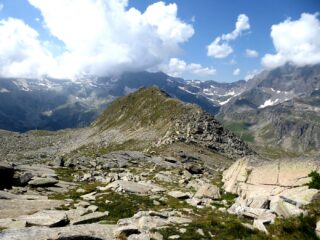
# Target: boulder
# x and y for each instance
(193, 168)
(46, 218)
(6, 175)
(43, 182)
(179, 195)
(208, 191)
(22, 179)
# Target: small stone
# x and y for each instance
(200, 231)
(174, 237)
(80, 190)
(92, 208)
(89, 197)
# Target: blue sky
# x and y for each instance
(208, 19)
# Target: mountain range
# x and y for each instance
(273, 107)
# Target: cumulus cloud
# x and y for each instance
(98, 37)
(178, 68)
(21, 53)
(251, 53)
(295, 41)
(236, 72)
(220, 47)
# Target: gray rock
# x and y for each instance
(193, 169)
(43, 182)
(46, 218)
(22, 179)
(178, 195)
(126, 231)
(208, 191)
(258, 224)
(87, 231)
(17, 207)
(10, 223)
(128, 186)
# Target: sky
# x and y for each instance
(222, 40)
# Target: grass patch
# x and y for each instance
(297, 228)
(215, 225)
(241, 129)
(315, 180)
(65, 174)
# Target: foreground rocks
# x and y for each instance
(88, 231)
(269, 189)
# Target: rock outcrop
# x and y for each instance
(268, 189)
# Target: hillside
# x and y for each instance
(166, 120)
(279, 110)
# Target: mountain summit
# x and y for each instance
(167, 120)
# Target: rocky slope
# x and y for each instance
(279, 107)
(150, 167)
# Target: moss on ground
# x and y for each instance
(241, 129)
(215, 225)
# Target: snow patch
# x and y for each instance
(269, 102)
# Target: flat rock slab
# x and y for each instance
(46, 218)
(178, 195)
(88, 231)
(18, 207)
(43, 182)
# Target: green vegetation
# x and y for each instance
(315, 180)
(294, 228)
(41, 133)
(145, 108)
(215, 225)
(241, 129)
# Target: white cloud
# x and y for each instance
(21, 53)
(242, 24)
(177, 68)
(220, 47)
(251, 74)
(251, 53)
(236, 72)
(99, 37)
(295, 41)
